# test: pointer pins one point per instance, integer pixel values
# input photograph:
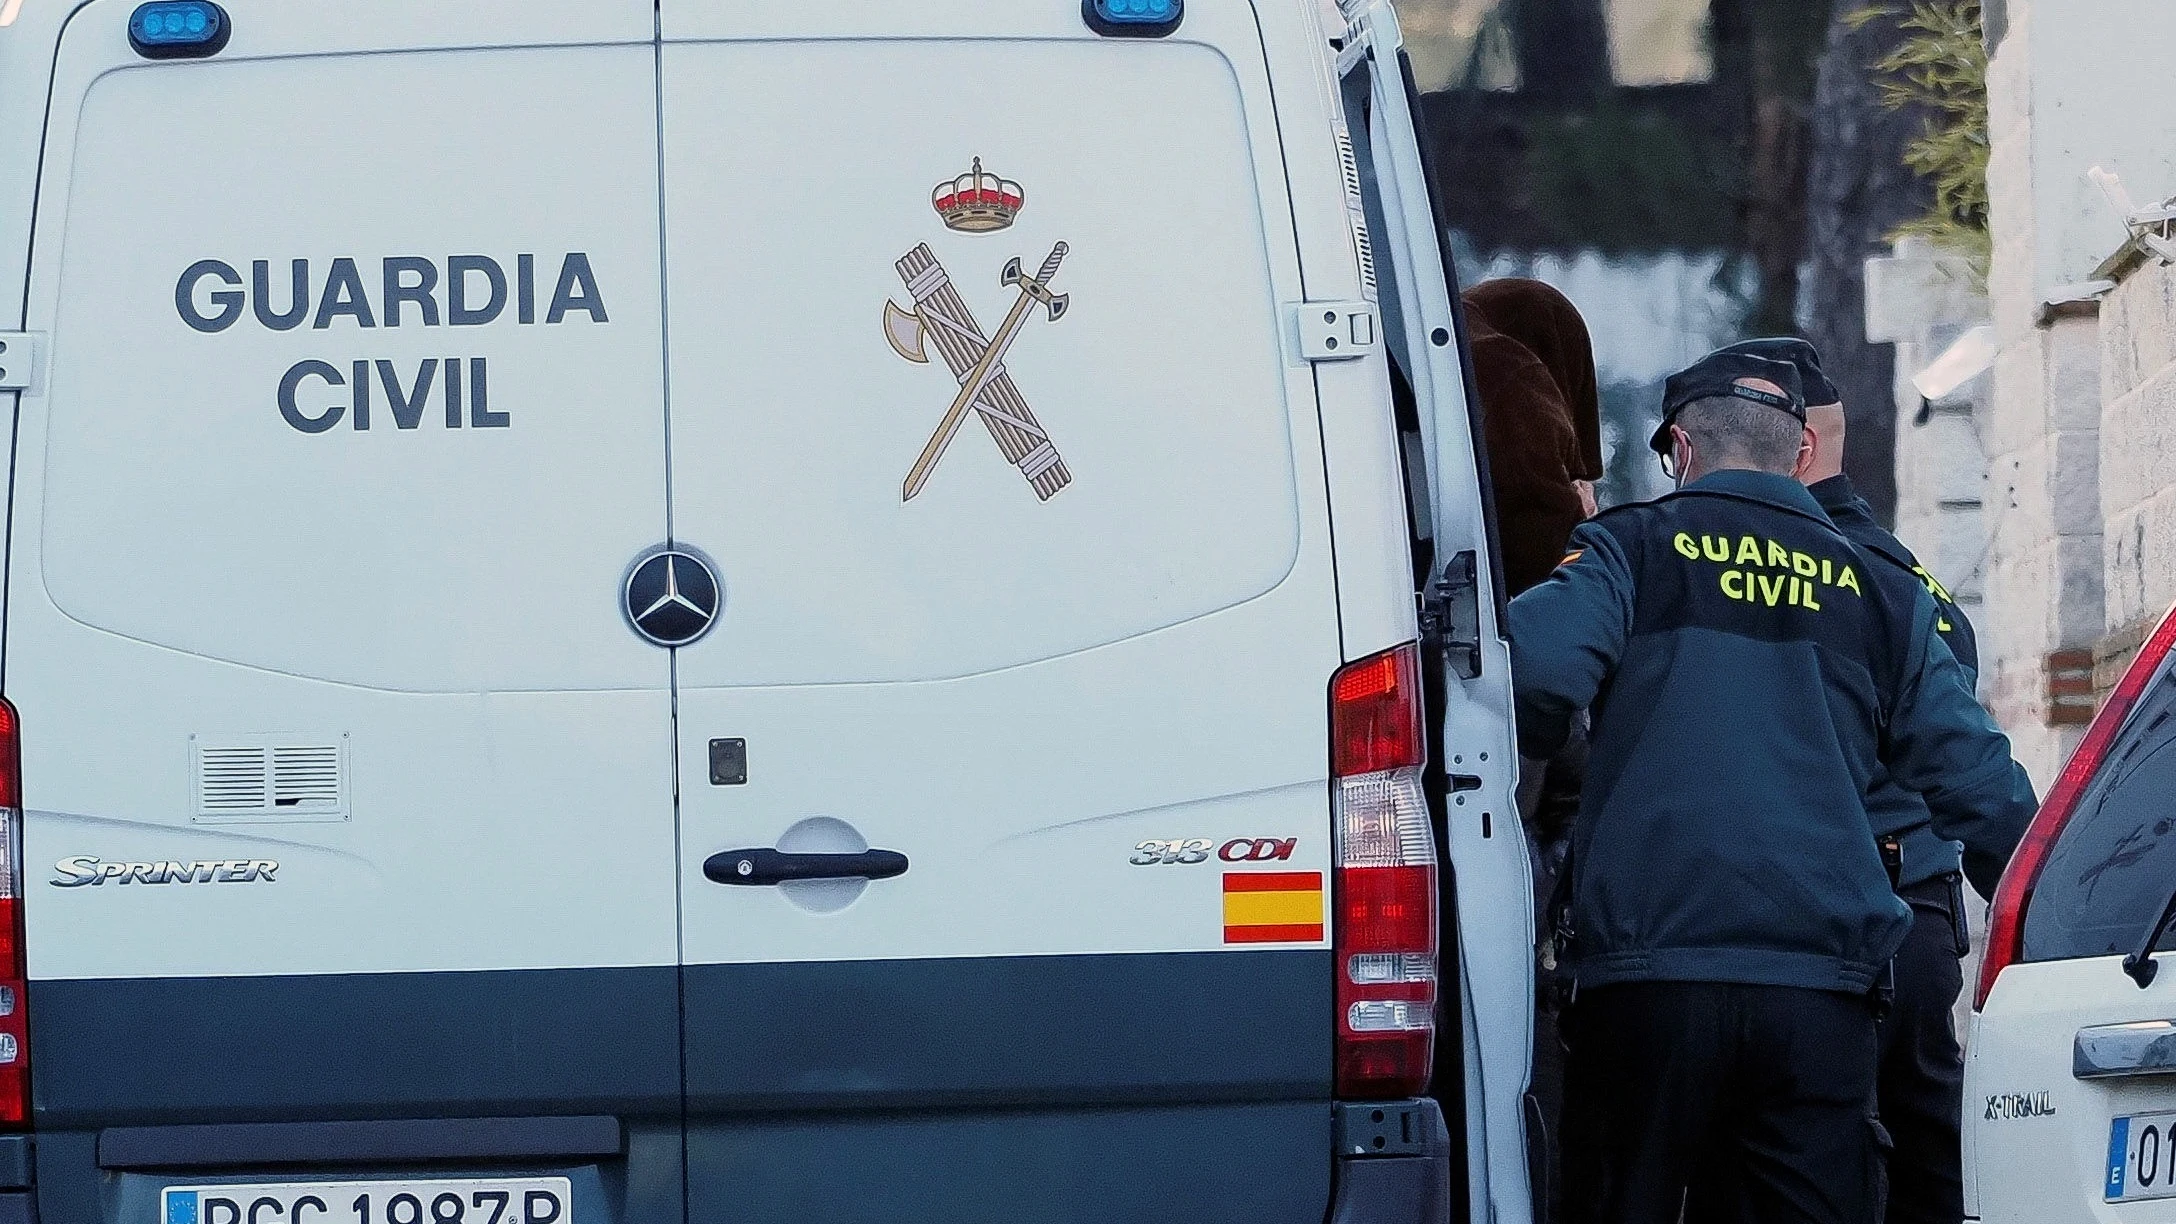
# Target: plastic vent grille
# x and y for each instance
(270, 778)
(306, 777)
(1363, 246)
(231, 780)
(1350, 165)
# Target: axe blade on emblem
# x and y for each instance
(905, 331)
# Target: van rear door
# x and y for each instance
(350, 791)
(1018, 505)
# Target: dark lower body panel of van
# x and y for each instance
(142, 1084)
(1104, 1088)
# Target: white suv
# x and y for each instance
(2070, 1083)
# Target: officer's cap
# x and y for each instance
(1716, 376)
(1819, 390)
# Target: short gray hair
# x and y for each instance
(1732, 432)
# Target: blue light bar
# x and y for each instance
(1134, 18)
(178, 29)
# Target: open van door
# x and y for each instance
(1486, 847)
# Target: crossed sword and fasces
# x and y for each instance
(940, 314)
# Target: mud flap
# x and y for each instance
(1393, 1164)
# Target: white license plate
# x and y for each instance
(503, 1200)
(2141, 1158)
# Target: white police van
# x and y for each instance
(639, 610)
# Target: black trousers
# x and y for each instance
(1921, 1080)
(1763, 1096)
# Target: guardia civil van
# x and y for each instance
(651, 610)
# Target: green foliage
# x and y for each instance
(1940, 67)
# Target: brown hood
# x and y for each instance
(1546, 323)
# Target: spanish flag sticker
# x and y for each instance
(1272, 907)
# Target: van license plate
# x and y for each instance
(2141, 1158)
(506, 1200)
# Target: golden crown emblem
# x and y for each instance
(977, 202)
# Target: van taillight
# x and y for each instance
(1385, 907)
(2013, 896)
(14, 983)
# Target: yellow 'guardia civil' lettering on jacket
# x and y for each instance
(1762, 571)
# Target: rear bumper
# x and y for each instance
(1393, 1165)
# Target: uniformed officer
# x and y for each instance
(1920, 1083)
(1731, 914)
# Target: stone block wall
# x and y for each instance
(2041, 518)
(2138, 460)
(2040, 433)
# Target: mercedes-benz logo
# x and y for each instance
(672, 597)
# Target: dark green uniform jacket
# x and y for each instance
(1746, 678)
(1893, 808)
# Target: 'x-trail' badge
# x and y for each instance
(672, 597)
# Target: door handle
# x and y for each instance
(766, 867)
(2112, 1050)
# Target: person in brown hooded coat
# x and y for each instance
(1541, 416)
(1542, 427)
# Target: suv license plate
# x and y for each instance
(2141, 1158)
(504, 1200)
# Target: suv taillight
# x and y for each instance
(2013, 897)
(1385, 929)
(14, 985)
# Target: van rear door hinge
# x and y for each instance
(1337, 331)
(1450, 615)
(20, 353)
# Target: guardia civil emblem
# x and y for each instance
(978, 203)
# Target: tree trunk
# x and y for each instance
(1858, 192)
(1765, 52)
(1562, 46)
